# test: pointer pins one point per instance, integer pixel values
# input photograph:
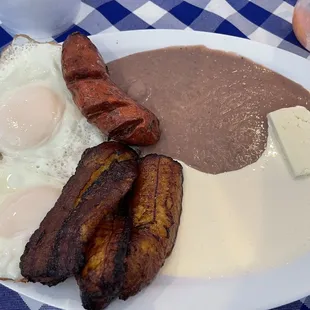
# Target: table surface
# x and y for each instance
(266, 21)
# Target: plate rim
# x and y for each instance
(203, 36)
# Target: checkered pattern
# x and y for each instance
(266, 21)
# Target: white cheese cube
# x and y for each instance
(291, 128)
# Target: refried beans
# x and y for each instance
(212, 105)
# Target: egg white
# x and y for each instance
(48, 164)
(14, 182)
(40, 64)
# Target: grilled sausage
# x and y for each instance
(100, 100)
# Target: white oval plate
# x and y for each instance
(263, 290)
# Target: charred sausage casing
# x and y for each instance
(100, 100)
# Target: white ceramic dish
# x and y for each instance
(254, 291)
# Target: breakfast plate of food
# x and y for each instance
(154, 170)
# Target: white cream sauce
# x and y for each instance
(242, 221)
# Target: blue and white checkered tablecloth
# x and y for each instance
(266, 21)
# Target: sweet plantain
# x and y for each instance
(155, 207)
(101, 279)
(55, 250)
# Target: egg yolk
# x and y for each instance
(23, 211)
(29, 117)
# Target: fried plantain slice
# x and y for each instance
(155, 206)
(55, 251)
(102, 277)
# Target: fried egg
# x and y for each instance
(42, 137)
(25, 198)
(39, 122)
